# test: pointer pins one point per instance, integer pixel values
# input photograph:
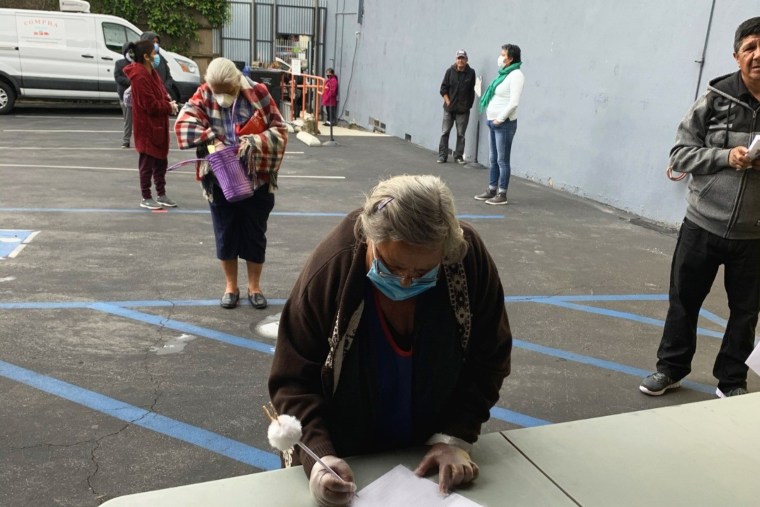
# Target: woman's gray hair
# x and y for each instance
(414, 209)
(222, 71)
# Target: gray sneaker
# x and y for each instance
(500, 198)
(736, 391)
(150, 204)
(488, 194)
(657, 383)
(164, 200)
(441, 159)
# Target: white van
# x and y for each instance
(71, 55)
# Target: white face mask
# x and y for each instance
(500, 61)
(224, 99)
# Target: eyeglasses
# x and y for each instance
(418, 277)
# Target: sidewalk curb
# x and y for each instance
(308, 139)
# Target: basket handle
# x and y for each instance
(185, 162)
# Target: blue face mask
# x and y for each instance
(390, 284)
(156, 61)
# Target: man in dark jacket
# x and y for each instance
(722, 224)
(122, 83)
(458, 92)
(163, 66)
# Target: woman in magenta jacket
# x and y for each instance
(330, 96)
(151, 107)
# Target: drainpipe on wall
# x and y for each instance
(314, 46)
(701, 61)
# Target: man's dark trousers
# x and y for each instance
(695, 265)
(461, 120)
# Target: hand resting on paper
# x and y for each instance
(454, 466)
(327, 490)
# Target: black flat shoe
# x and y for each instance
(257, 300)
(230, 299)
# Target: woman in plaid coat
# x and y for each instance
(231, 110)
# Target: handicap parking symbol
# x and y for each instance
(12, 241)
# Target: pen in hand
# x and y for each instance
(285, 432)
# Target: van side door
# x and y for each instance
(111, 37)
(57, 54)
(9, 61)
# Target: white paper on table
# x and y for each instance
(753, 361)
(401, 487)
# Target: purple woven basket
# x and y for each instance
(230, 174)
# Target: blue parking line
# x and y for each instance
(712, 317)
(185, 302)
(517, 418)
(610, 297)
(184, 327)
(145, 419)
(619, 315)
(602, 363)
(603, 311)
(12, 241)
(43, 306)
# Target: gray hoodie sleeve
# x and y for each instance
(692, 152)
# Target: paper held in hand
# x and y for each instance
(754, 148)
(753, 361)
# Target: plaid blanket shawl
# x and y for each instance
(202, 120)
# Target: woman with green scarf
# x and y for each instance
(500, 102)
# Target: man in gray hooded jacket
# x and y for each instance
(722, 224)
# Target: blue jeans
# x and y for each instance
(500, 147)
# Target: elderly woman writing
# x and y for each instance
(231, 110)
(395, 335)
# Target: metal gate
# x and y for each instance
(260, 30)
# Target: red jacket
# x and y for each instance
(330, 95)
(150, 111)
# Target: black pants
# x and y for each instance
(695, 264)
(240, 228)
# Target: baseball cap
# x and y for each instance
(461, 52)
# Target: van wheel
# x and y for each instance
(175, 94)
(7, 98)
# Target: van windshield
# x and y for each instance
(116, 35)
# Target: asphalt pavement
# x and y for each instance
(120, 373)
